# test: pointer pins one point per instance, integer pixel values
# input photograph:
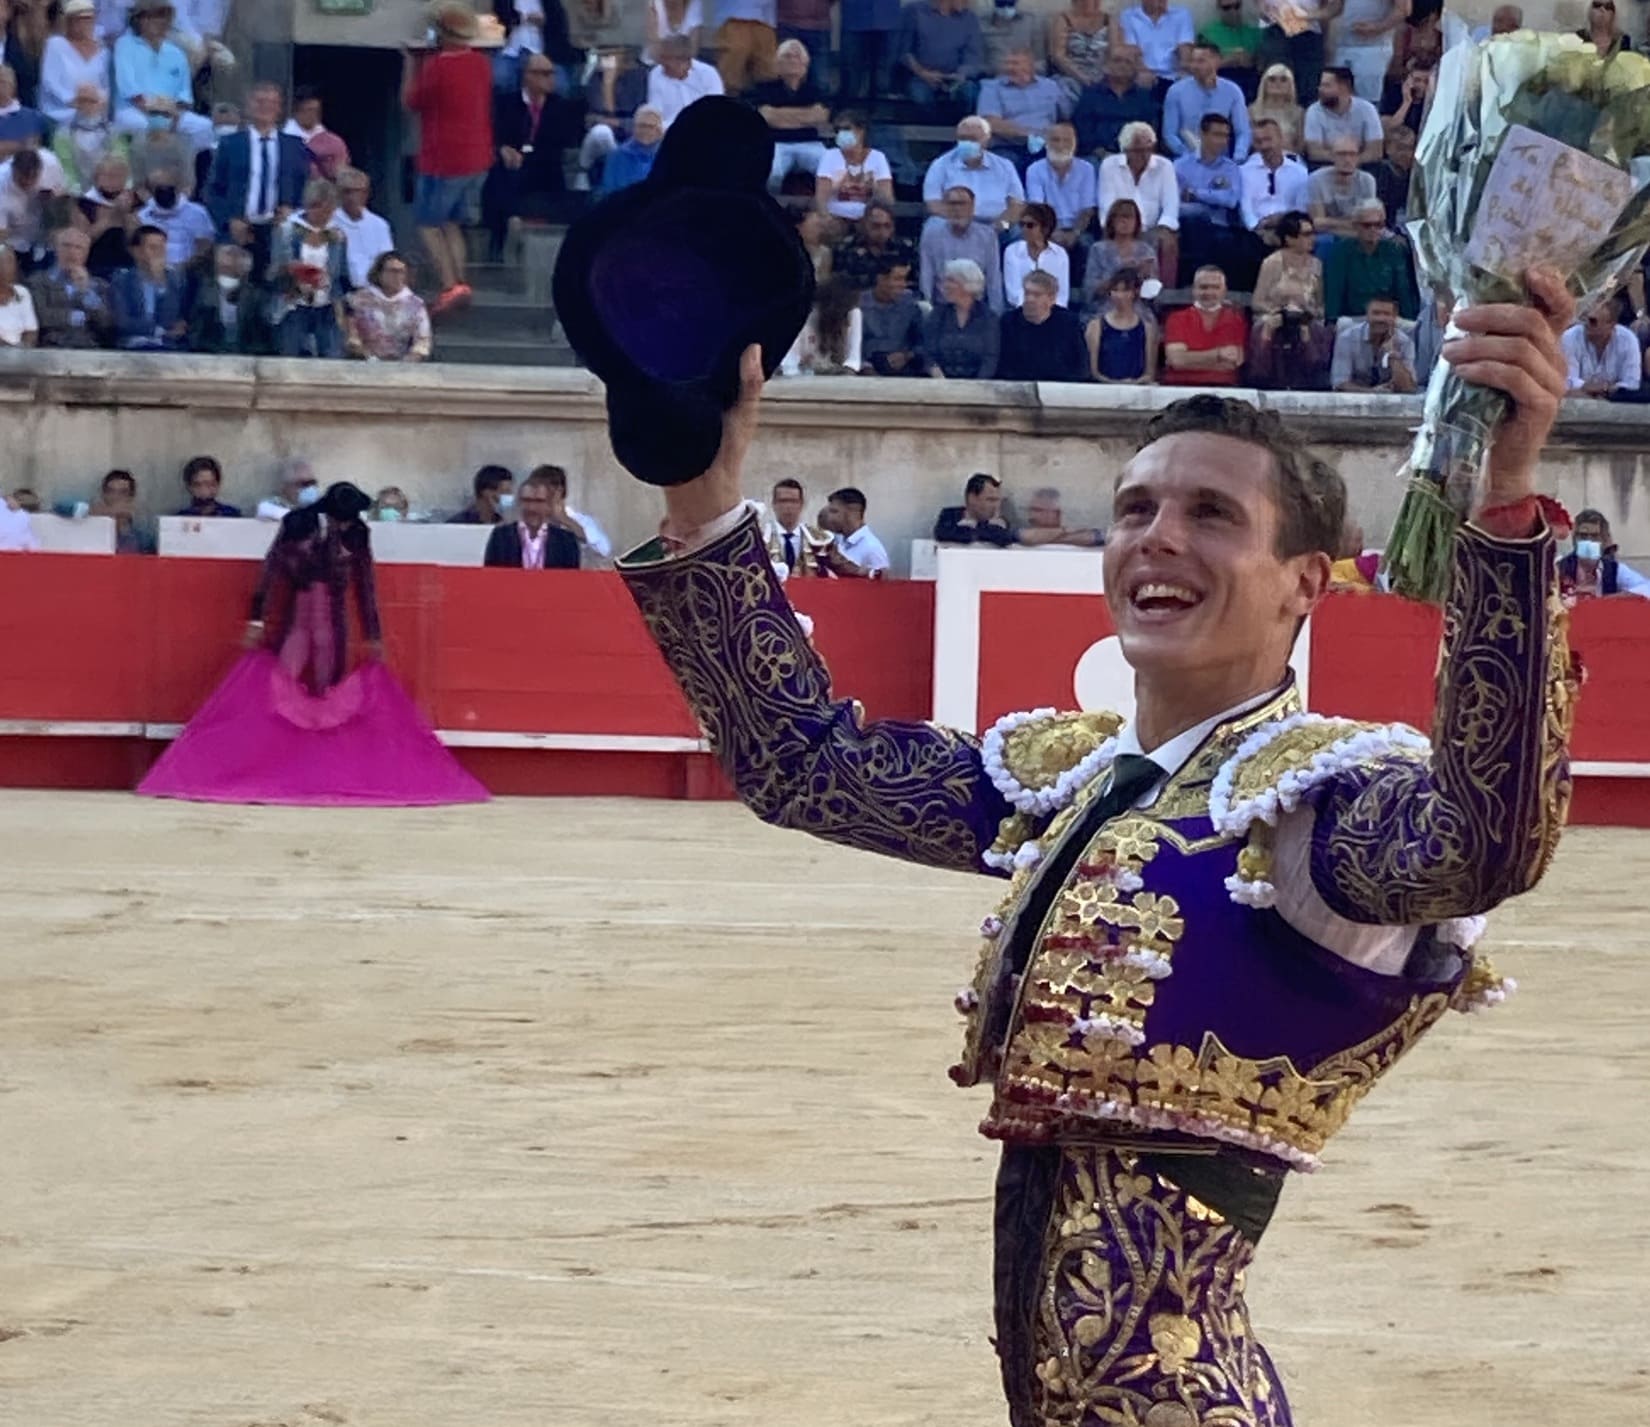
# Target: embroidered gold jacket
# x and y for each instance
(1153, 989)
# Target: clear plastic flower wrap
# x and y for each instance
(1525, 158)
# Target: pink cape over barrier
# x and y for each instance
(263, 738)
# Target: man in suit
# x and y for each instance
(535, 541)
(151, 301)
(257, 178)
(532, 126)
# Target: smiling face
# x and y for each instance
(1193, 579)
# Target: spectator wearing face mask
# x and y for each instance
(1592, 567)
(86, 140)
(390, 505)
(188, 226)
(851, 174)
(295, 489)
(1070, 186)
(533, 541)
(108, 211)
(229, 316)
(495, 498)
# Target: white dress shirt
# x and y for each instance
(256, 212)
(594, 536)
(1271, 191)
(369, 239)
(1619, 362)
(1018, 264)
(671, 96)
(864, 549)
(1156, 193)
(1383, 950)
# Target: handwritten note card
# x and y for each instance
(1545, 202)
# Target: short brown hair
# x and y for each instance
(552, 476)
(1311, 495)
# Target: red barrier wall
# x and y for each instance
(501, 651)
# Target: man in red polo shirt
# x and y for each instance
(451, 92)
(1203, 344)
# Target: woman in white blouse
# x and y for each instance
(1036, 252)
(829, 344)
(852, 174)
(74, 58)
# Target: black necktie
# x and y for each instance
(1271, 183)
(266, 203)
(790, 550)
(1132, 774)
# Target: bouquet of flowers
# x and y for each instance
(1526, 158)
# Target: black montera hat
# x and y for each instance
(663, 285)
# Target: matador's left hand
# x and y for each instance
(1515, 349)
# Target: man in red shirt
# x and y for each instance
(451, 92)
(1203, 344)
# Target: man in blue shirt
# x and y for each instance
(1163, 34)
(632, 161)
(942, 49)
(153, 86)
(1214, 225)
(1068, 184)
(1103, 109)
(1201, 92)
(869, 28)
(1022, 106)
(998, 193)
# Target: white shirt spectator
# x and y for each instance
(860, 183)
(1157, 193)
(594, 536)
(63, 69)
(1271, 191)
(1361, 121)
(17, 318)
(1619, 363)
(186, 226)
(671, 96)
(16, 529)
(528, 35)
(369, 239)
(52, 177)
(1018, 264)
(864, 549)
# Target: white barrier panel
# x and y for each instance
(392, 544)
(199, 539)
(397, 544)
(93, 535)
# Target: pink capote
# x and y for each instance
(264, 738)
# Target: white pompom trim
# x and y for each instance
(1489, 998)
(1038, 802)
(1355, 750)
(1112, 1028)
(1258, 893)
(1153, 963)
(1463, 932)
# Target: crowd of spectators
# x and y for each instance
(1129, 198)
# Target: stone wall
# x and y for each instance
(67, 417)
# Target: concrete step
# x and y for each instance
(498, 314)
(461, 347)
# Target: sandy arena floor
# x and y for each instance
(596, 1112)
